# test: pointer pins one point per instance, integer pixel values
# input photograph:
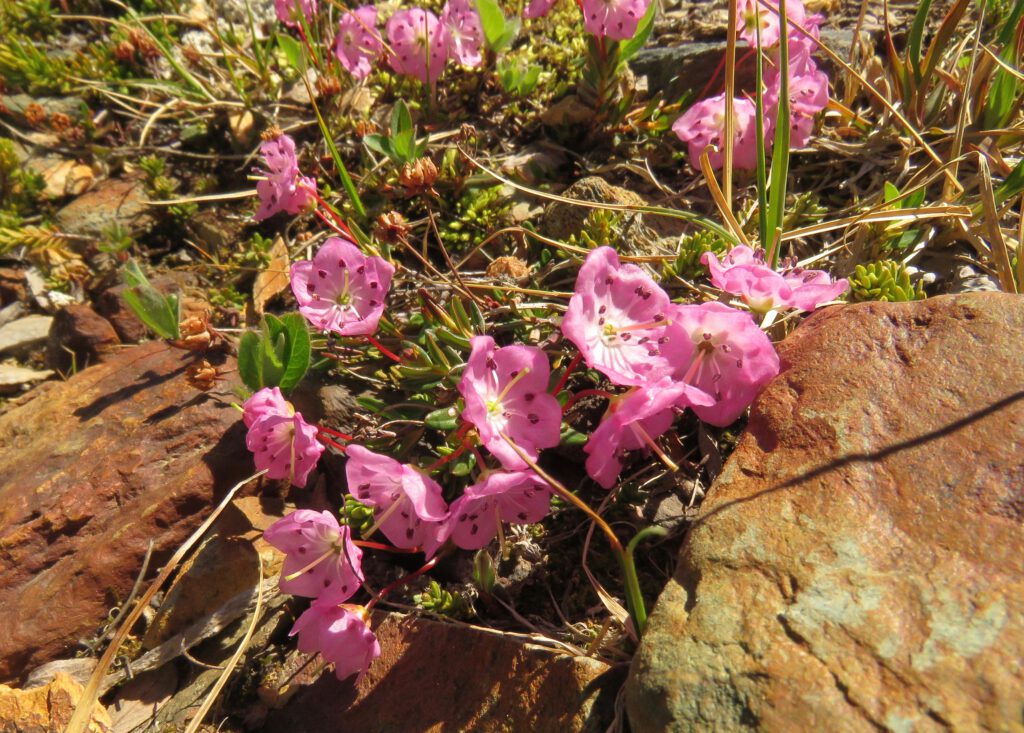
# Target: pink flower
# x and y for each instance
(320, 559)
(282, 188)
(358, 44)
(538, 8)
(616, 317)
(506, 394)
(284, 444)
(341, 289)
(751, 13)
(340, 634)
(808, 93)
(287, 11)
(267, 401)
(615, 19)
(721, 351)
(743, 272)
(465, 33)
(407, 503)
(633, 421)
(703, 125)
(419, 42)
(519, 497)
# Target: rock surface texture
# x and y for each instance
(91, 470)
(859, 564)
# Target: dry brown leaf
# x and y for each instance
(272, 280)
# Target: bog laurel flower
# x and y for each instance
(419, 44)
(320, 559)
(288, 11)
(538, 8)
(617, 318)
(633, 421)
(751, 13)
(281, 187)
(280, 440)
(407, 504)
(743, 272)
(703, 126)
(358, 45)
(465, 32)
(506, 394)
(721, 351)
(614, 19)
(517, 497)
(341, 289)
(340, 634)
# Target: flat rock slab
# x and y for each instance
(433, 677)
(91, 470)
(24, 332)
(859, 564)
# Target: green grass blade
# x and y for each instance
(780, 149)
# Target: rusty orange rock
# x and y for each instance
(859, 564)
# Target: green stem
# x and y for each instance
(632, 583)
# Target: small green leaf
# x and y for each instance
(249, 360)
(297, 352)
(493, 21)
(159, 312)
(293, 51)
(445, 419)
(629, 49)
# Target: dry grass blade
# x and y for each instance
(201, 199)
(909, 215)
(961, 122)
(996, 241)
(80, 719)
(616, 609)
(197, 720)
(720, 199)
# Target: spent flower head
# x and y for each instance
(407, 504)
(320, 559)
(340, 634)
(617, 318)
(506, 395)
(341, 289)
(281, 187)
(358, 45)
(419, 44)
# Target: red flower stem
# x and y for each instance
(401, 581)
(382, 546)
(309, 47)
(718, 70)
(568, 370)
(586, 393)
(335, 433)
(450, 457)
(382, 349)
(327, 441)
(328, 222)
(330, 210)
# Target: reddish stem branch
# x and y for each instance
(381, 348)
(382, 546)
(586, 393)
(401, 581)
(335, 433)
(445, 459)
(327, 441)
(568, 370)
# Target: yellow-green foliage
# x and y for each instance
(885, 280)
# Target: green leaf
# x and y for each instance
(444, 419)
(249, 360)
(915, 36)
(297, 351)
(493, 21)
(628, 49)
(159, 312)
(293, 52)
(379, 144)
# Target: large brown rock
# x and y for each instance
(79, 337)
(434, 677)
(859, 564)
(91, 470)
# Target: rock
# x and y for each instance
(138, 701)
(13, 106)
(114, 201)
(79, 669)
(24, 333)
(92, 470)
(79, 337)
(562, 220)
(433, 677)
(14, 378)
(567, 111)
(859, 563)
(47, 709)
(12, 285)
(63, 177)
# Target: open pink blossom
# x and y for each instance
(288, 10)
(743, 272)
(617, 317)
(614, 19)
(751, 13)
(281, 188)
(419, 44)
(633, 421)
(465, 32)
(538, 8)
(727, 356)
(320, 559)
(406, 503)
(506, 394)
(340, 634)
(341, 289)
(267, 401)
(703, 126)
(517, 497)
(358, 45)
(808, 93)
(285, 445)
